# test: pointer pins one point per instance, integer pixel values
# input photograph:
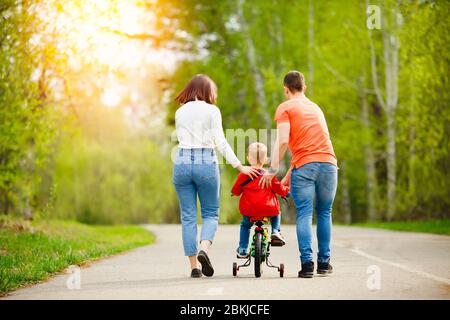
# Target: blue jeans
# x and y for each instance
(319, 179)
(246, 225)
(196, 173)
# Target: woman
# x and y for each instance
(196, 172)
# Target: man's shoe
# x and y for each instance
(196, 273)
(207, 268)
(307, 270)
(241, 254)
(324, 268)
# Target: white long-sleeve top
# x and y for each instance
(199, 125)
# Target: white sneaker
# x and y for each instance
(241, 254)
(278, 238)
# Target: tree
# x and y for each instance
(389, 102)
(24, 115)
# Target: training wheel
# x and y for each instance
(235, 269)
(281, 270)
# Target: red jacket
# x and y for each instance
(256, 200)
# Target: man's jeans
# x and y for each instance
(319, 179)
(246, 225)
(196, 173)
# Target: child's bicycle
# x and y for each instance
(259, 249)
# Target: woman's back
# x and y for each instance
(199, 125)
(195, 124)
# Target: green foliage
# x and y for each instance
(64, 154)
(430, 226)
(25, 129)
(118, 179)
(341, 76)
(424, 114)
(32, 252)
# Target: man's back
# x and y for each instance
(309, 140)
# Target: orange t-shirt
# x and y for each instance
(309, 140)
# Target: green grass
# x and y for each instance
(430, 226)
(31, 252)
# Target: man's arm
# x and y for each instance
(281, 144)
(286, 181)
(280, 148)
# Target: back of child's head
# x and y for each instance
(257, 153)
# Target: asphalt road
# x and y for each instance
(368, 263)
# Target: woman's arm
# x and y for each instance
(221, 142)
(225, 149)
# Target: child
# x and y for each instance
(257, 201)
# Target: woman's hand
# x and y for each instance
(249, 171)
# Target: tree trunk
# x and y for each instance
(371, 184)
(258, 80)
(391, 166)
(310, 79)
(346, 202)
(280, 69)
(390, 47)
(389, 104)
(411, 140)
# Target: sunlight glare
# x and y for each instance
(97, 31)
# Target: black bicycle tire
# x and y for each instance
(258, 254)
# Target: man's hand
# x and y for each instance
(286, 181)
(266, 180)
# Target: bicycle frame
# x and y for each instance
(259, 222)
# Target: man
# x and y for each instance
(313, 172)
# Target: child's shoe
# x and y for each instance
(277, 240)
(241, 253)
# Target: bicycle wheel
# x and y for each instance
(258, 254)
(281, 270)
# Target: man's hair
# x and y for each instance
(294, 81)
(258, 150)
(200, 87)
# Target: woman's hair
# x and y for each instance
(201, 87)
